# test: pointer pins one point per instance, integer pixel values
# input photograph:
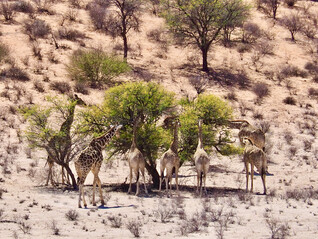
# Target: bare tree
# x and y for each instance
(293, 23)
(270, 7)
(126, 17)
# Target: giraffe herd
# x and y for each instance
(91, 157)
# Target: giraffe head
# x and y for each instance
(118, 127)
(78, 100)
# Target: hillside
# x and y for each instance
(269, 80)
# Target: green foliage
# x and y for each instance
(44, 123)
(215, 114)
(128, 103)
(95, 67)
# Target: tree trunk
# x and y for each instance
(125, 46)
(154, 174)
(69, 171)
(204, 59)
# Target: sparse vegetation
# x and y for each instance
(61, 86)
(134, 226)
(7, 10)
(289, 100)
(37, 29)
(261, 90)
(293, 24)
(115, 221)
(4, 52)
(278, 229)
(72, 215)
(95, 67)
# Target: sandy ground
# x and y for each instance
(28, 209)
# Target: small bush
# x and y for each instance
(264, 47)
(7, 10)
(4, 52)
(251, 32)
(54, 228)
(61, 86)
(70, 34)
(81, 87)
(39, 86)
(72, 215)
(23, 6)
(115, 221)
(16, 73)
(156, 35)
(293, 23)
(134, 227)
(313, 92)
(261, 90)
(315, 79)
(277, 228)
(312, 68)
(290, 3)
(95, 67)
(291, 71)
(97, 13)
(242, 47)
(289, 100)
(37, 29)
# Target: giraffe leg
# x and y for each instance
(246, 171)
(161, 178)
(100, 191)
(94, 189)
(137, 181)
(263, 173)
(130, 179)
(205, 182)
(177, 172)
(198, 181)
(143, 176)
(252, 176)
(201, 182)
(80, 195)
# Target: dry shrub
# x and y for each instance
(315, 79)
(81, 87)
(37, 29)
(61, 86)
(97, 13)
(261, 90)
(231, 96)
(115, 221)
(39, 86)
(134, 226)
(312, 68)
(7, 10)
(37, 51)
(291, 71)
(199, 83)
(157, 35)
(251, 32)
(24, 6)
(278, 229)
(70, 34)
(313, 92)
(242, 47)
(290, 3)
(4, 52)
(289, 100)
(288, 137)
(15, 73)
(264, 47)
(72, 215)
(44, 6)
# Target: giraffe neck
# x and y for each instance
(66, 126)
(134, 138)
(174, 144)
(101, 142)
(200, 144)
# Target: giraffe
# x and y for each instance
(202, 161)
(255, 134)
(63, 139)
(170, 160)
(254, 156)
(91, 160)
(136, 162)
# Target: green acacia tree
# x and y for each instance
(215, 114)
(44, 131)
(126, 104)
(200, 22)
